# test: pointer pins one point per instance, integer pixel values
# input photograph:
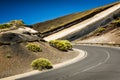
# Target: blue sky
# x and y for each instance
(33, 11)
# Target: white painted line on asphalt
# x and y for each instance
(108, 56)
(91, 67)
(86, 69)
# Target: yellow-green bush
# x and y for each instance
(63, 45)
(117, 22)
(17, 22)
(11, 23)
(100, 29)
(34, 47)
(4, 26)
(41, 63)
(8, 56)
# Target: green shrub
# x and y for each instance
(8, 56)
(117, 22)
(11, 23)
(63, 45)
(41, 63)
(17, 22)
(4, 26)
(100, 29)
(34, 47)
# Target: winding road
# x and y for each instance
(101, 63)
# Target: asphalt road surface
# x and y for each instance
(101, 63)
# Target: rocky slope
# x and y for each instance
(109, 33)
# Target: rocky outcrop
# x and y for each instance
(19, 35)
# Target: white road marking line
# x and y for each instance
(108, 56)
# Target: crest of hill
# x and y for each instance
(52, 26)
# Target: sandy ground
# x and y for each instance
(80, 56)
(22, 57)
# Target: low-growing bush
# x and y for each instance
(34, 47)
(117, 22)
(63, 45)
(17, 22)
(100, 29)
(41, 63)
(11, 23)
(8, 56)
(4, 26)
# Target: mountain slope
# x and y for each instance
(52, 26)
(15, 57)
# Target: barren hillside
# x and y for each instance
(15, 58)
(109, 33)
(52, 26)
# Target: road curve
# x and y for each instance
(101, 63)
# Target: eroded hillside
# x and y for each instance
(55, 25)
(109, 33)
